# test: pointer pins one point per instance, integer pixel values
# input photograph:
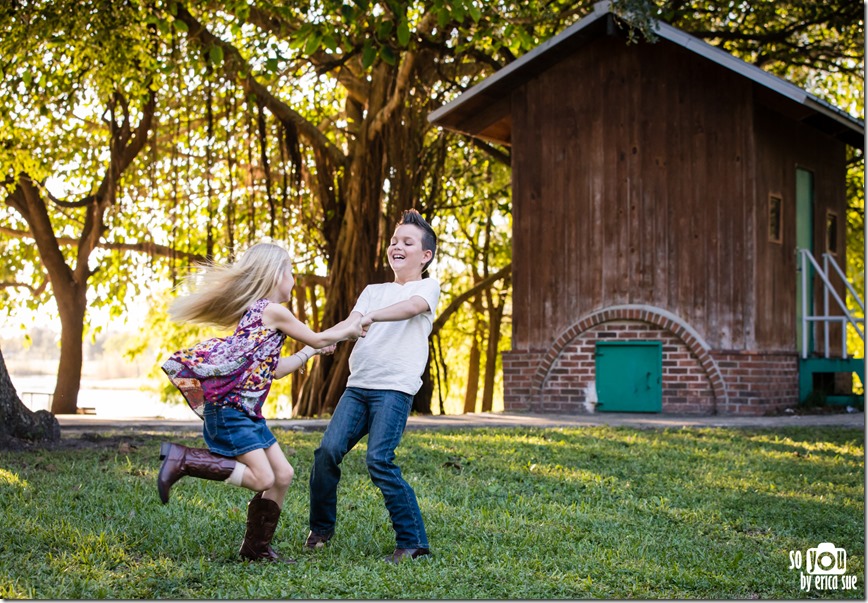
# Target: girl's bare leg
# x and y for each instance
(268, 472)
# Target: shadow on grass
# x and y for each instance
(511, 513)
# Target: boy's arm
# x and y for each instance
(290, 364)
(400, 311)
(276, 316)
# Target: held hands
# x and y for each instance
(326, 351)
(354, 327)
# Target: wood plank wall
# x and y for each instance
(635, 182)
(782, 146)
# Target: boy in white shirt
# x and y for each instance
(386, 368)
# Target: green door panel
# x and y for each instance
(629, 376)
(804, 240)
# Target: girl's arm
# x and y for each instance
(400, 311)
(276, 316)
(290, 364)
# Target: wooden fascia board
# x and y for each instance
(501, 83)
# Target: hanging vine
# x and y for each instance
(251, 177)
(266, 168)
(209, 167)
(231, 162)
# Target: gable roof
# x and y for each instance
(471, 112)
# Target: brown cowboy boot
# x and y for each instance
(262, 517)
(179, 461)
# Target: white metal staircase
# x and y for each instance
(834, 310)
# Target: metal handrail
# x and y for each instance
(827, 258)
(826, 318)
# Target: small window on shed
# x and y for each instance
(776, 218)
(831, 232)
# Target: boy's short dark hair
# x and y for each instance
(429, 238)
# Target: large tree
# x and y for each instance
(17, 422)
(381, 67)
(63, 64)
(375, 70)
(303, 120)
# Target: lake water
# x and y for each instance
(109, 398)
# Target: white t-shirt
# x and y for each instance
(393, 354)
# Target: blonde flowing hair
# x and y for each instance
(222, 293)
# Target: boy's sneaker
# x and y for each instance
(401, 554)
(317, 541)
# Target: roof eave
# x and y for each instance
(447, 115)
(453, 115)
(761, 77)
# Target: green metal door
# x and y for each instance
(629, 376)
(804, 240)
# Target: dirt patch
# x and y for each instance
(120, 441)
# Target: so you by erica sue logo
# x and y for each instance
(825, 568)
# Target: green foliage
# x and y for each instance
(511, 514)
(62, 63)
(475, 242)
(59, 60)
(220, 169)
(855, 267)
(804, 42)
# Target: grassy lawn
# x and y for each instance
(596, 512)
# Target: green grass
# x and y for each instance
(511, 514)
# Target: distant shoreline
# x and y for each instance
(109, 398)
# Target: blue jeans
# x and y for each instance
(382, 416)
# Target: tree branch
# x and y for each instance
(27, 199)
(493, 152)
(146, 247)
(323, 62)
(234, 65)
(456, 303)
(36, 291)
(405, 71)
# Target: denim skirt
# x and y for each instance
(230, 432)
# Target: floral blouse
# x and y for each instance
(232, 371)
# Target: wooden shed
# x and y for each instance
(661, 193)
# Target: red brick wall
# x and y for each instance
(757, 384)
(695, 380)
(519, 368)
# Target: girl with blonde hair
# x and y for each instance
(226, 380)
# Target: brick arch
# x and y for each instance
(649, 314)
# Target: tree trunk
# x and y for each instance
(350, 273)
(72, 304)
(17, 422)
(423, 400)
(453, 307)
(354, 256)
(495, 314)
(472, 392)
